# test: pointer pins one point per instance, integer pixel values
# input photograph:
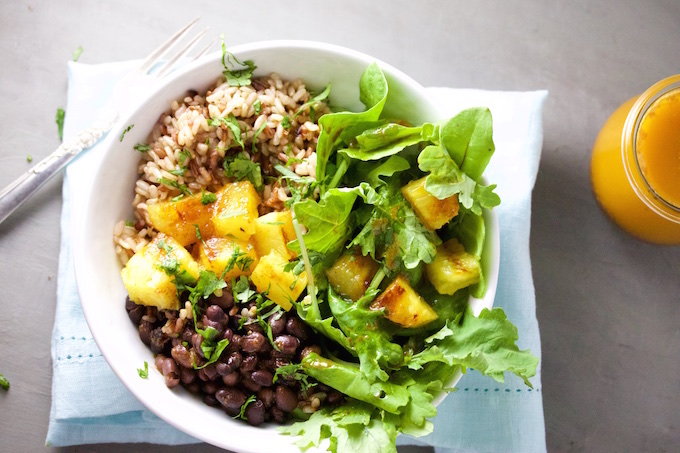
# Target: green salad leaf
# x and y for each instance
(468, 138)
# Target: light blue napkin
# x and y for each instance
(90, 405)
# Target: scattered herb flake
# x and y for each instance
(236, 76)
(174, 184)
(129, 223)
(257, 133)
(285, 123)
(60, 122)
(184, 155)
(144, 372)
(142, 147)
(242, 413)
(127, 129)
(208, 197)
(77, 53)
(257, 106)
(4, 383)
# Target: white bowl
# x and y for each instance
(101, 290)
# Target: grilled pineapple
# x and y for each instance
(282, 286)
(452, 268)
(272, 232)
(148, 275)
(237, 257)
(180, 218)
(351, 274)
(433, 212)
(403, 305)
(235, 211)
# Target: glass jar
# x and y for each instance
(635, 164)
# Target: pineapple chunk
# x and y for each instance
(235, 211)
(283, 286)
(273, 232)
(351, 274)
(433, 212)
(145, 279)
(452, 268)
(218, 254)
(178, 218)
(403, 305)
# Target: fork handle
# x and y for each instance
(12, 196)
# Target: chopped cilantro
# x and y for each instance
(285, 123)
(241, 290)
(144, 372)
(60, 122)
(242, 413)
(257, 106)
(178, 171)
(310, 104)
(241, 167)
(238, 259)
(232, 123)
(142, 147)
(236, 76)
(127, 129)
(174, 184)
(208, 197)
(257, 133)
(293, 371)
(129, 223)
(77, 53)
(198, 234)
(184, 155)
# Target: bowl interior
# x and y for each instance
(97, 268)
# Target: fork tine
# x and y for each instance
(163, 48)
(204, 50)
(185, 50)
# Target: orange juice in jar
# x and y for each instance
(635, 166)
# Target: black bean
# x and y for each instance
(262, 377)
(307, 349)
(231, 379)
(249, 363)
(136, 313)
(234, 343)
(252, 342)
(277, 322)
(249, 384)
(266, 395)
(228, 334)
(145, 328)
(213, 324)
(187, 375)
(297, 328)
(287, 344)
(285, 398)
(212, 386)
(231, 398)
(334, 397)
(255, 413)
(210, 400)
(158, 340)
(232, 362)
(225, 301)
(187, 334)
(277, 414)
(194, 387)
(172, 380)
(182, 355)
(196, 342)
(216, 314)
(169, 367)
(129, 305)
(208, 373)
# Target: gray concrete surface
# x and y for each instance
(608, 305)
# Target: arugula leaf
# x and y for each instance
(388, 168)
(240, 167)
(125, 131)
(447, 179)
(354, 426)
(468, 138)
(238, 73)
(373, 94)
(4, 383)
(485, 343)
(60, 123)
(143, 372)
(387, 140)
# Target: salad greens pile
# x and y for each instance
(392, 374)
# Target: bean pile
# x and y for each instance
(244, 372)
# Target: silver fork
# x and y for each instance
(126, 94)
